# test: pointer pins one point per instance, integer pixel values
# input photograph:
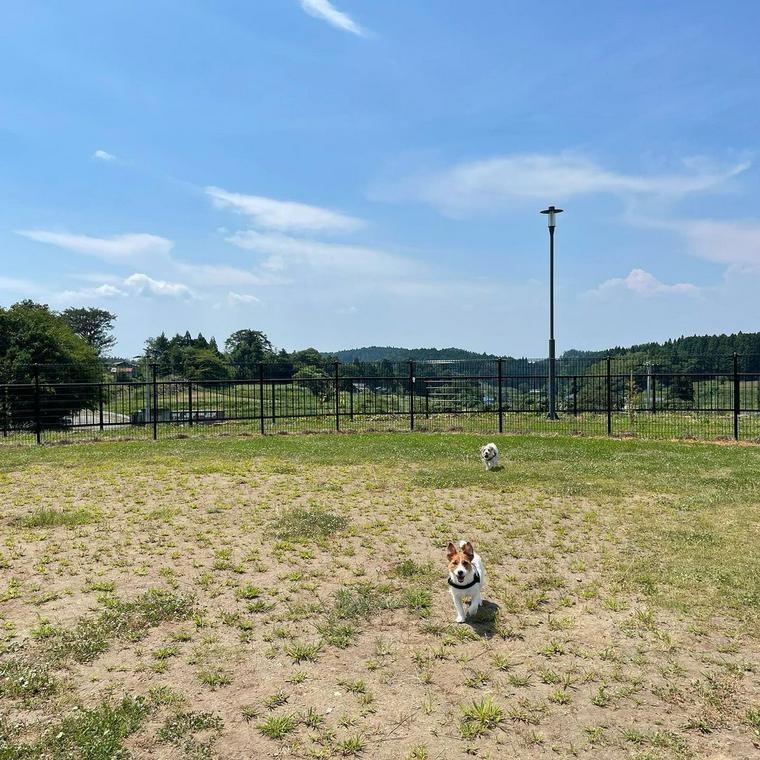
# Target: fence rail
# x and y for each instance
(594, 396)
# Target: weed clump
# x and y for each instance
(304, 525)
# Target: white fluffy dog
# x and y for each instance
(490, 456)
(467, 576)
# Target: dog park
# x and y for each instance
(379, 380)
(285, 596)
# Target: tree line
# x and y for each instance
(43, 346)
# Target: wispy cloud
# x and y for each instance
(137, 284)
(241, 298)
(733, 242)
(497, 182)
(221, 275)
(17, 285)
(118, 248)
(642, 283)
(328, 12)
(320, 256)
(282, 215)
(103, 155)
(736, 243)
(141, 284)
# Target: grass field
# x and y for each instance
(285, 597)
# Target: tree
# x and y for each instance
(205, 365)
(157, 352)
(246, 348)
(35, 342)
(316, 380)
(93, 325)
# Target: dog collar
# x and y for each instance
(475, 580)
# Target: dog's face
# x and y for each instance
(461, 569)
(488, 452)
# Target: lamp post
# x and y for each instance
(551, 214)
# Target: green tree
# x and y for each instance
(204, 365)
(316, 380)
(246, 348)
(157, 352)
(36, 340)
(93, 325)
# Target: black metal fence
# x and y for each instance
(595, 396)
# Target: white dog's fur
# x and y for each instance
(463, 566)
(490, 456)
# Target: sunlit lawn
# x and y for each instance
(229, 597)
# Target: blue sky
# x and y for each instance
(359, 172)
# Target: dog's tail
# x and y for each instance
(462, 543)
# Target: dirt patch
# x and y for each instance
(563, 660)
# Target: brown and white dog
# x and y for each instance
(467, 576)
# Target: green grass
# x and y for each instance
(624, 578)
(55, 518)
(92, 733)
(696, 530)
(305, 525)
(183, 724)
(121, 619)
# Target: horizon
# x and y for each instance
(348, 172)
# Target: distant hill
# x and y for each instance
(747, 344)
(395, 354)
(690, 353)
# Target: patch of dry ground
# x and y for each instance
(563, 661)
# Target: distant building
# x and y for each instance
(121, 368)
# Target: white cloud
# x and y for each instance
(497, 182)
(14, 284)
(107, 291)
(220, 275)
(238, 298)
(346, 259)
(736, 243)
(101, 293)
(328, 12)
(117, 248)
(103, 155)
(141, 284)
(282, 215)
(136, 284)
(642, 283)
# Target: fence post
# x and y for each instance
(500, 363)
(736, 396)
(337, 396)
(261, 396)
(100, 405)
(6, 411)
(609, 396)
(575, 396)
(274, 413)
(427, 400)
(190, 401)
(37, 420)
(351, 400)
(155, 401)
(411, 395)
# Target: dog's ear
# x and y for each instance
(468, 551)
(451, 550)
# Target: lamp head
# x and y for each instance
(551, 214)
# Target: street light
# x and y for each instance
(551, 214)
